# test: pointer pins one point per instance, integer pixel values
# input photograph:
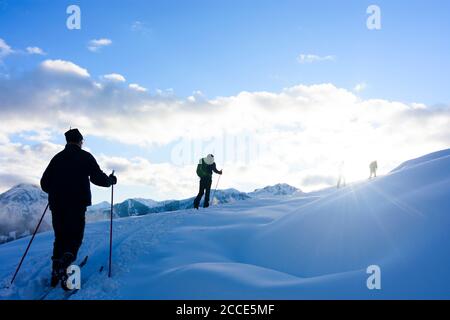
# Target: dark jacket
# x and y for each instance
(66, 179)
(205, 171)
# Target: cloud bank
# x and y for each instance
(301, 133)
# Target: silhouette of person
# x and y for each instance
(341, 180)
(373, 169)
(205, 168)
(66, 180)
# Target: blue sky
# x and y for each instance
(223, 48)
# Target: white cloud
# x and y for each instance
(360, 87)
(21, 163)
(5, 49)
(35, 50)
(114, 77)
(311, 58)
(61, 66)
(158, 177)
(96, 44)
(302, 133)
(137, 87)
(140, 27)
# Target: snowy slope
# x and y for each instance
(423, 159)
(295, 247)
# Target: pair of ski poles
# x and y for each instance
(39, 224)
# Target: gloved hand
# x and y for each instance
(220, 172)
(112, 179)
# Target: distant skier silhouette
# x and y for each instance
(205, 168)
(342, 182)
(373, 169)
(66, 180)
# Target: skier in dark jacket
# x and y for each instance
(205, 168)
(66, 180)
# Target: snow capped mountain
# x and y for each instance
(20, 210)
(281, 189)
(140, 207)
(98, 211)
(229, 196)
(23, 194)
(100, 206)
(147, 202)
(22, 206)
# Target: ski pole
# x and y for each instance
(111, 229)
(29, 245)
(217, 184)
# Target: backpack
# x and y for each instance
(201, 169)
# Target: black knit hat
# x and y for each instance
(74, 136)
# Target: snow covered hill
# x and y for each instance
(295, 247)
(20, 210)
(423, 159)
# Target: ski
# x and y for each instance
(68, 295)
(81, 265)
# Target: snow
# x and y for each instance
(286, 247)
(423, 159)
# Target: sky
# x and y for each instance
(280, 91)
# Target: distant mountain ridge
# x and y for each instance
(20, 209)
(281, 189)
(22, 206)
(139, 207)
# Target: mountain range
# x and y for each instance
(22, 206)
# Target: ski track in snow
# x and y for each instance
(131, 239)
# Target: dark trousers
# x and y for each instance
(68, 225)
(205, 188)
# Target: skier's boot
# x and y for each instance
(67, 260)
(57, 272)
